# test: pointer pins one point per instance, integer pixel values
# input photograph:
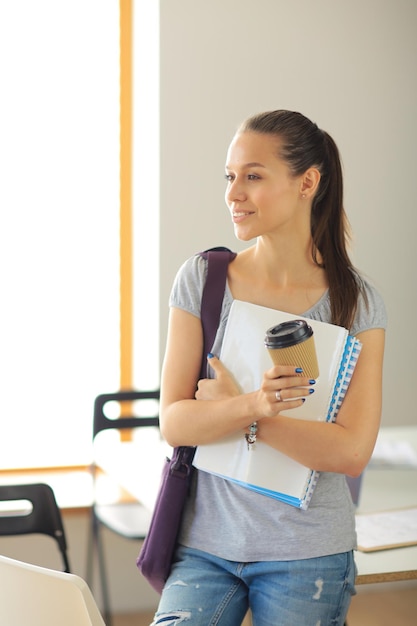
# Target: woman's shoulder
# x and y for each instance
(194, 268)
(188, 285)
(370, 311)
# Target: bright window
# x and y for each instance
(59, 226)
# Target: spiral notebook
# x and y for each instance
(262, 468)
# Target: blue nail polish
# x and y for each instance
(312, 381)
(298, 370)
(311, 391)
(210, 355)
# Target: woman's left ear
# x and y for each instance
(310, 182)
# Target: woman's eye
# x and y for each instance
(230, 178)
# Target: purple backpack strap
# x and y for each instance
(155, 557)
(218, 260)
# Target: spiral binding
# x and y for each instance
(347, 366)
(348, 363)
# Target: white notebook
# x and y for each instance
(385, 530)
(262, 468)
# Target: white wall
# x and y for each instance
(350, 66)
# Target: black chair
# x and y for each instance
(129, 519)
(44, 517)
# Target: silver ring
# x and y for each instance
(278, 396)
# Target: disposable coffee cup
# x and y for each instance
(292, 343)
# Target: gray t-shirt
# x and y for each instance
(237, 524)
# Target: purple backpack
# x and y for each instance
(155, 558)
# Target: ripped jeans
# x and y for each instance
(204, 590)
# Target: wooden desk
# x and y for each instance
(385, 488)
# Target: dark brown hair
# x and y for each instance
(303, 145)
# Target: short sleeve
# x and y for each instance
(188, 285)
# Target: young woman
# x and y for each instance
(237, 548)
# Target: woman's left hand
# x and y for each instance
(219, 388)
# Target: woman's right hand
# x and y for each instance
(219, 388)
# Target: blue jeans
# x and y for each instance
(204, 590)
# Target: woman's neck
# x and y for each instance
(283, 276)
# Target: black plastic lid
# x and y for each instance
(287, 334)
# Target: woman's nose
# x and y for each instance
(235, 192)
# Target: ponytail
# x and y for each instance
(303, 145)
(330, 231)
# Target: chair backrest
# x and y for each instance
(102, 422)
(35, 596)
(44, 516)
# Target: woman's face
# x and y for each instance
(262, 195)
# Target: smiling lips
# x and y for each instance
(239, 216)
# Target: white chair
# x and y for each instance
(36, 596)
